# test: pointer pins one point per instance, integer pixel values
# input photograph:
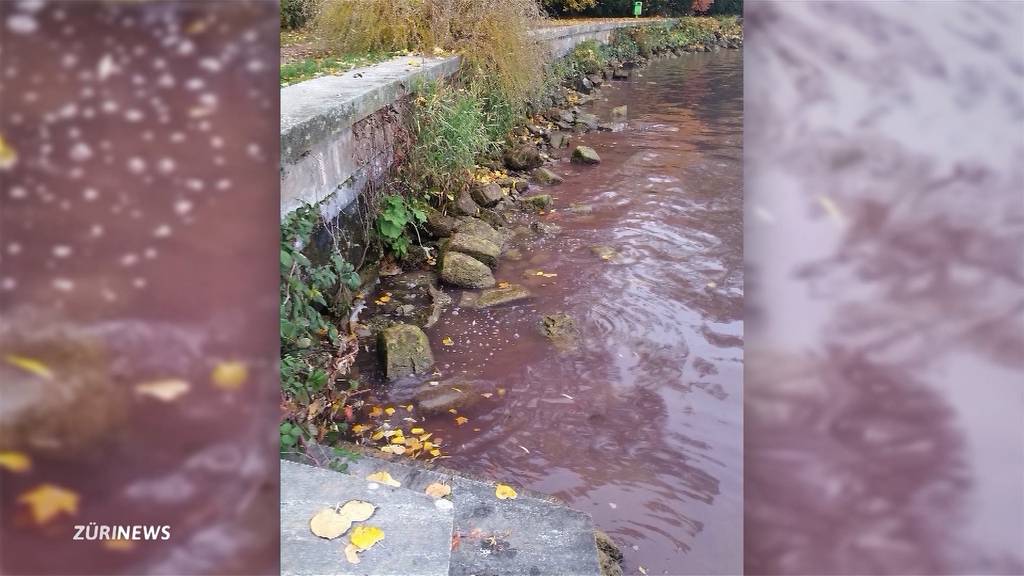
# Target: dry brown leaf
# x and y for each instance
(438, 490)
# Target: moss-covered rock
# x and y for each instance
(546, 177)
(458, 269)
(585, 155)
(538, 201)
(405, 350)
(495, 296)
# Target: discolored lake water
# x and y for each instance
(641, 424)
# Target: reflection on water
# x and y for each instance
(884, 224)
(641, 425)
(137, 210)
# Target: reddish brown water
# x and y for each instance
(641, 426)
(138, 221)
(884, 404)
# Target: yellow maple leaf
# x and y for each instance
(15, 461)
(447, 341)
(30, 365)
(377, 435)
(505, 492)
(417, 431)
(389, 410)
(503, 284)
(166, 390)
(408, 407)
(230, 375)
(376, 411)
(425, 437)
(384, 478)
(384, 299)
(364, 537)
(48, 501)
(435, 452)
(359, 428)
(460, 420)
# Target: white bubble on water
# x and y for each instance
(62, 251)
(81, 152)
(129, 260)
(90, 194)
(17, 192)
(139, 283)
(182, 206)
(22, 23)
(133, 115)
(137, 165)
(162, 231)
(14, 248)
(8, 284)
(63, 284)
(95, 231)
(166, 165)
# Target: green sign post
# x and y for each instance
(637, 9)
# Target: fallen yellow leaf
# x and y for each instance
(364, 537)
(505, 492)
(30, 365)
(384, 478)
(48, 501)
(329, 524)
(375, 411)
(352, 554)
(435, 452)
(417, 431)
(460, 420)
(447, 341)
(503, 284)
(165, 390)
(438, 490)
(384, 299)
(357, 510)
(230, 375)
(359, 428)
(15, 461)
(389, 410)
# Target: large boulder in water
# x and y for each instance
(495, 296)
(476, 246)
(464, 271)
(405, 350)
(440, 225)
(544, 176)
(585, 155)
(524, 157)
(456, 393)
(561, 329)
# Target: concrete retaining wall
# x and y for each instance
(335, 139)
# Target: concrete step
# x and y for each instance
(531, 535)
(417, 533)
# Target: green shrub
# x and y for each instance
(588, 57)
(395, 216)
(450, 130)
(304, 284)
